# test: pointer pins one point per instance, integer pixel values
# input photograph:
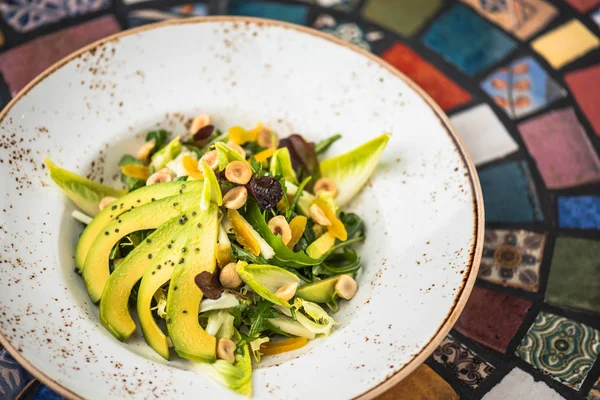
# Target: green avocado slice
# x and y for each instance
(157, 254)
(319, 292)
(183, 300)
(136, 198)
(148, 216)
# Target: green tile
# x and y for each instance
(574, 280)
(561, 348)
(404, 17)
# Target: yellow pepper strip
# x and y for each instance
(297, 226)
(272, 348)
(191, 167)
(252, 134)
(336, 228)
(264, 155)
(242, 232)
(136, 171)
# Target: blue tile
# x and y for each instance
(45, 393)
(294, 13)
(582, 212)
(509, 194)
(12, 376)
(468, 41)
(145, 16)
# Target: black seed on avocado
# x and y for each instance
(119, 221)
(168, 320)
(194, 213)
(121, 205)
(180, 191)
(183, 186)
(158, 266)
(116, 230)
(169, 246)
(197, 249)
(139, 201)
(184, 311)
(175, 204)
(199, 225)
(148, 241)
(183, 249)
(153, 272)
(111, 215)
(174, 287)
(172, 264)
(113, 207)
(183, 219)
(149, 255)
(106, 233)
(172, 241)
(181, 261)
(152, 199)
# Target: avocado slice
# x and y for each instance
(134, 199)
(320, 246)
(148, 216)
(157, 254)
(183, 300)
(319, 292)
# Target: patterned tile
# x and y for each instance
(147, 16)
(344, 5)
(595, 392)
(596, 16)
(464, 363)
(562, 151)
(442, 89)
(26, 15)
(21, 64)
(585, 86)
(349, 31)
(561, 348)
(579, 212)
(12, 377)
(522, 18)
(509, 194)
(522, 87)
(403, 17)
(423, 384)
(484, 135)
(45, 393)
(294, 13)
(565, 43)
(512, 258)
(583, 6)
(518, 384)
(491, 318)
(467, 41)
(574, 280)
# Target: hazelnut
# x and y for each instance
(267, 138)
(318, 215)
(279, 226)
(286, 292)
(235, 198)
(105, 202)
(226, 349)
(159, 177)
(199, 122)
(325, 185)
(237, 148)
(238, 172)
(229, 277)
(346, 287)
(210, 159)
(144, 152)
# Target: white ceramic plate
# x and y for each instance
(423, 207)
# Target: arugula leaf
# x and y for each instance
(243, 255)
(159, 137)
(299, 192)
(342, 263)
(132, 183)
(181, 178)
(353, 224)
(324, 144)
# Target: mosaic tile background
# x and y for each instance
(520, 80)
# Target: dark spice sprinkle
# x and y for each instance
(149, 255)
(181, 261)
(106, 233)
(113, 207)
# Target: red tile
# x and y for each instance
(583, 6)
(585, 86)
(491, 318)
(443, 90)
(21, 64)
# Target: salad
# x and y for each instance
(229, 246)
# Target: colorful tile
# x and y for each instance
(512, 258)
(467, 41)
(464, 363)
(344, 5)
(26, 15)
(565, 43)
(562, 151)
(422, 384)
(405, 17)
(509, 194)
(484, 135)
(21, 64)
(595, 392)
(522, 87)
(574, 280)
(12, 376)
(45, 393)
(561, 348)
(523, 18)
(491, 318)
(349, 31)
(585, 87)
(442, 89)
(583, 6)
(518, 384)
(579, 212)
(294, 13)
(147, 16)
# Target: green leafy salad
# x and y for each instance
(229, 246)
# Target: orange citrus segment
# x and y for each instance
(297, 226)
(252, 134)
(191, 167)
(237, 135)
(272, 348)
(337, 228)
(242, 232)
(136, 171)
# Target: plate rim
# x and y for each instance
(477, 202)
